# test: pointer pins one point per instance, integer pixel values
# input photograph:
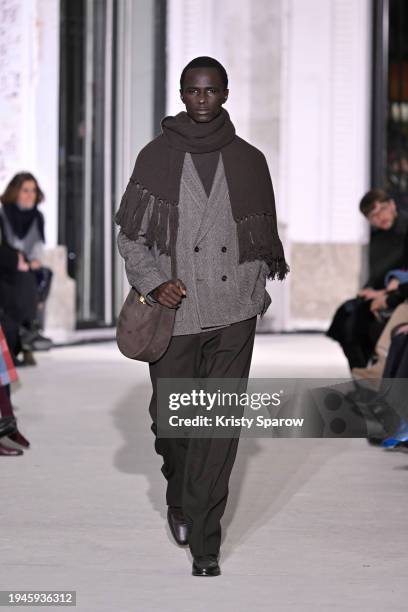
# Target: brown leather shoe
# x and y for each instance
(206, 566)
(177, 524)
(5, 451)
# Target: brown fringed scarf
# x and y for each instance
(157, 175)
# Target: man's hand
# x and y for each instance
(22, 265)
(379, 303)
(35, 264)
(393, 284)
(371, 294)
(170, 293)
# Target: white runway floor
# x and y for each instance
(311, 525)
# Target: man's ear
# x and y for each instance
(392, 203)
(226, 92)
(181, 94)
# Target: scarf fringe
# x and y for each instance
(163, 221)
(256, 234)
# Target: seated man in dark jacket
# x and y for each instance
(354, 325)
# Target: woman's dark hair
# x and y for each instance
(11, 192)
(369, 200)
(205, 62)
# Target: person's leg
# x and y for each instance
(342, 329)
(375, 372)
(6, 409)
(44, 279)
(8, 427)
(11, 332)
(22, 308)
(400, 315)
(394, 390)
(366, 330)
(181, 360)
(396, 362)
(25, 299)
(225, 354)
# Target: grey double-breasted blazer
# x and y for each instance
(220, 291)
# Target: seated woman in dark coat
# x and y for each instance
(23, 225)
(19, 288)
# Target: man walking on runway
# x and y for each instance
(200, 182)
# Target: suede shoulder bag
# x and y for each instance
(144, 330)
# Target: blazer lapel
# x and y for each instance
(193, 184)
(219, 193)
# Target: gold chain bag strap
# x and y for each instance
(144, 330)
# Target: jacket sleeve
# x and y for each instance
(37, 251)
(394, 298)
(142, 269)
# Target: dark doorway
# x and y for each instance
(84, 66)
(390, 99)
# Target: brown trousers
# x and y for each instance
(198, 469)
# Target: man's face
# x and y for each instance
(203, 94)
(383, 215)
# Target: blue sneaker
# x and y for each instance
(401, 435)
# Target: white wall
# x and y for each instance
(47, 111)
(326, 106)
(205, 28)
(325, 152)
(134, 102)
(29, 69)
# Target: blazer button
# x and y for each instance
(223, 249)
(196, 249)
(224, 278)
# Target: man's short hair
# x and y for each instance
(369, 200)
(205, 62)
